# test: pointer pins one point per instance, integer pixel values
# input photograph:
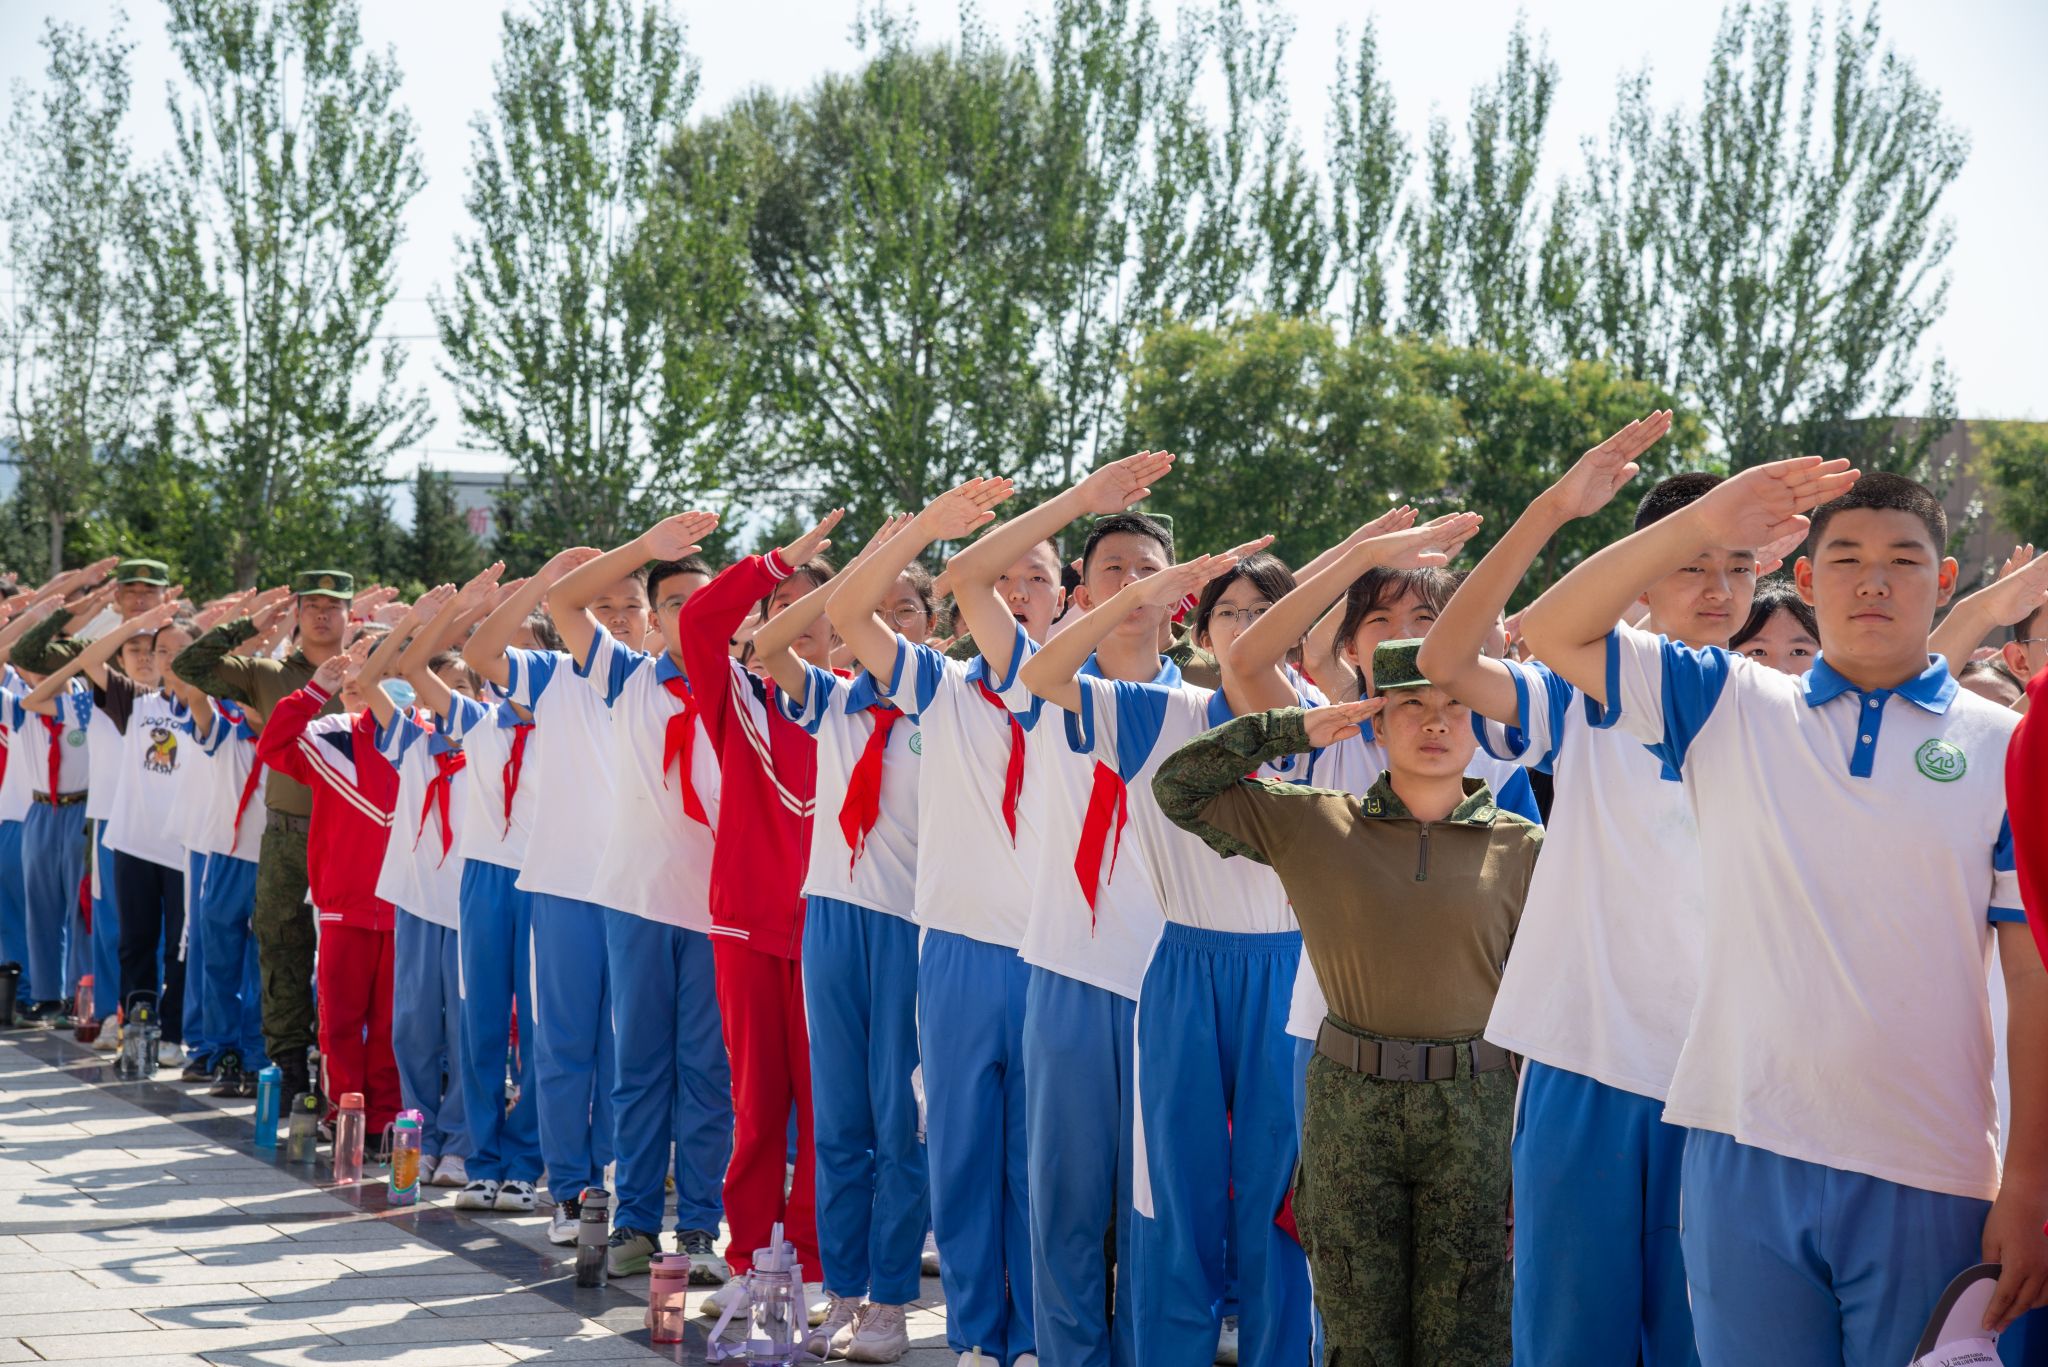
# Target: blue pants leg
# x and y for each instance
(970, 998)
(228, 977)
(497, 932)
(53, 859)
(106, 930)
(1215, 1082)
(860, 997)
(1304, 1050)
(573, 1062)
(1078, 1103)
(1800, 1265)
(14, 909)
(1599, 1276)
(426, 1020)
(200, 1040)
(672, 1085)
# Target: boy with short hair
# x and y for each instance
(1837, 1071)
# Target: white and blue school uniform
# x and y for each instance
(1087, 946)
(973, 900)
(1837, 1069)
(1597, 998)
(1216, 1142)
(53, 840)
(860, 996)
(227, 831)
(422, 879)
(103, 782)
(14, 803)
(496, 924)
(569, 766)
(183, 821)
(672, 1089)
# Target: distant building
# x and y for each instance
(476, 494)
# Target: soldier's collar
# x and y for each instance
(1477, 809)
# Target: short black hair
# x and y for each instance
(544, 633)
(1881, 491)
(1267, 572)
(1775, 595)
(1994, 668)
(662, 570)
(1126, 524)
(2024, 629)
(1671, 493)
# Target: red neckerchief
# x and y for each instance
(1102, 831)
(679, 747)
(1013, 775)
(447, 765)
(863, 804)
(242, 804)
(513, 764)
(56, 729)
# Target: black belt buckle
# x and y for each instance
(1403, 1061)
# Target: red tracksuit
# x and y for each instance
(2026, 806)
(768, 775)
(354, 791)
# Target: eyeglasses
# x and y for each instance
(1239, 617)
(905, 616)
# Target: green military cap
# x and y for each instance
(1394, 666)
(324, 584)
(143, 572)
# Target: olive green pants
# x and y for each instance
(1402, 1204)
(285, 939)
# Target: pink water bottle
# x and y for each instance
(668, 1282)
(348, 1140)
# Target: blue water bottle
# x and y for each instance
(269, 1105)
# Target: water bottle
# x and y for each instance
(86, 1028)
(592, 1234)
(139, 1038)
(152, 1034)
(405, 1162)
(269, 1083)
(668, 1283)
(348, 1140)
(302, 1135)
(772, 1299)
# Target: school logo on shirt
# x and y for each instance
(917, 742)
(75, 739)
(1940, 761)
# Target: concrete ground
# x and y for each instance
(139, 1226)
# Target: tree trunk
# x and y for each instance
(57, 524)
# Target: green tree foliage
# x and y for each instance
(2013, 461)
(439, 548)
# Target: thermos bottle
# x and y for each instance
(593, 1232)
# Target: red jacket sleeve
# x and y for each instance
(706, 625)
(2026, 807)
(278, 744)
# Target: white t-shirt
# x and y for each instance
(842, 714)
(978, 881)
(1606, 963)
(664, 854)
(227, 755)
(145, 795)
(1353, 766)
(105, 767)
(74, 719)
(1853, 850)
(1109, 945)
(569, 769)
(487, 733)
(419, 876)
(14, 799)
(189, 792)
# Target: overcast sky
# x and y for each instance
(1983, 56)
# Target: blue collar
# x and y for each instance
(1167, 677)
(666, 669)
(1931, 690)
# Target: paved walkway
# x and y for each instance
(139, 1226)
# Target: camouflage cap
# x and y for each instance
(324, 584)
(1394, 665)
(143, 572)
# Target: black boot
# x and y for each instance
(296, 1080)
(227, 1075)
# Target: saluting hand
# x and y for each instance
(1339, 721)
(1121, 483)
(1767, 503)
(1597, 476)
(964, 509)
(812, 543)
(673, 538)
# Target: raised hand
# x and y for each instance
(1770, 559)
(481, 587)
(1597, 476)
(431, 603)
(1768, 503)
(154, 620)
(891, 525)
(966, 508)
(1339, 721)
(1432, 543)
(1121, 483)
(812, 543)
(331, 672)
(370, 599)
(1248, 549)
(1398, 518)
(673, 538)
(564, 562)
(1181, 581)
(2020, 590)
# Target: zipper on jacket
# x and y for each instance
(1422, 855)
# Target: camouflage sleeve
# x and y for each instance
(1202, 786)
(209, 664)
(41, 650)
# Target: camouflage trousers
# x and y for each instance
(285, 940)
(1402, 1203)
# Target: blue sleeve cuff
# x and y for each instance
(1998, 915)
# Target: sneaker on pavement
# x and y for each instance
(169, 1054)
(451, 1171)
(1026, 1360)
(629, 1251)
(482, 1194)
(227, 1075)
(713, 1305)
(879, 1334)
(830, 1336)
(429, 1163)
(108, 1041)
(817, 1304)
(706, 1267)
(929, 1263)
(516, 1198)
(197, 1069)
(562, 1224)
(1226, 1343)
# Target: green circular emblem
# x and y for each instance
(917, 742)
(75, 738)
(1940, 761)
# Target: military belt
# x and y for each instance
(290, 821)
(1401, 1060)
(61, 800)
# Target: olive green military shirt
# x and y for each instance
(1408, 923)
(255, 681)
(41, 650)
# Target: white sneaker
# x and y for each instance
(169, 1055)
(1026, 1360)
(732, 1293)
(562, 1224)
(108, 1041)
(429, 1163)
(929, 1263)
(516, 1198)
(481, 1194)
(817, 1304)
(451, 1171)
(706, 1267)
(1226, 1343)
(879, 1334)
(829, 1337)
